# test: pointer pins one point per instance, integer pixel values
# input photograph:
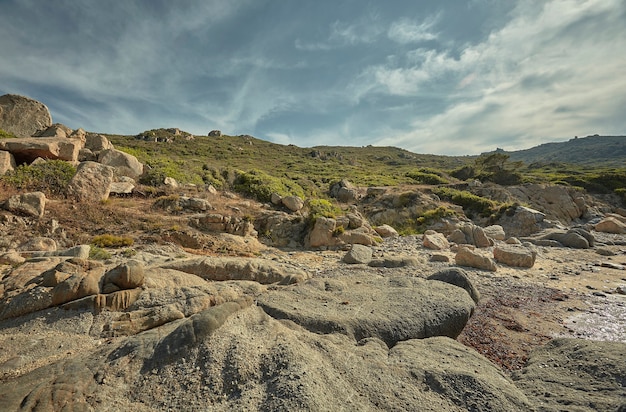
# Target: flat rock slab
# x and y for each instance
(392, 309)
(576, 375)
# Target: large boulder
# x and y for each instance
(26, 150)
(516, 256)
(457, 277)
(466, 256)
(23, 116)
(358, 254)
(365, 306)
(55, 130)
(124, 164)
(344, 191)
(128, 275)
(612, 224)
(29, 204)
(97, 143)
(523, 221)
(7, 162)
(91, 183)
(435, 241)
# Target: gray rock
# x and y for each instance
(97, 143)
(23, 116)
(391, 309)
(358, 254)
(293, 203)
(394, 262)
(55, 130)
(123, 163)
(435, 241)
(495, 232)
(583, 375)
(29, 204)
(386, 231)
(91, 183)
(128, 275)
(7, 162)
(474, 259)
(457, 277)
(516, 256)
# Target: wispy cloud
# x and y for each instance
(407, 31)
(363, 30)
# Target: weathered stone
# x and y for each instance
(76, 287)
(91, 183)
(386, 231)
(322, 233)
(258, 270)
(7, 162)
(439, 257)
(123, 163)
(358, 254)
(26, 150)
(523, 221)
(517, 256)
(457, 277)
(472, 258)
(391, 309)
(611, 225)
(170, 182)
(97, 143)
(276, 199)
(435, 241)
(55, 130)
(45, 244)
(29, 204)
(293, 203)
(344, 191)
(11, 258)
(128, 275)
(495, 232)
(394, 262)
(23, 116)
(457, 236)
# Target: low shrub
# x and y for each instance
(469, 201)
(427, 177)
(6, 135)
(111, 241)
(97, 253)
(322, 208)
(260, 185)
(50, 177)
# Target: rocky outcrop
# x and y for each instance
(23, 116)
(576, 238)
(466, 256)
(344, 191)
(524, 221)
(55, 130)
(293, 203)
(97, 143)
(326, 233)
(178, 204)
(28, 204)
(612, 224)
(124, 164)
(386, 231)
(391, 309)
(215, 222)
(26, 150)
(91, 183)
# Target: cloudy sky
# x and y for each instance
(431, 76)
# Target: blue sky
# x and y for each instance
(444, 76)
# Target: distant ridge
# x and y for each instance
(591, 150)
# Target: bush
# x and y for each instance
(97, 253)
(51, 177)
(322, 208)
(6, 135)
(469, 201)
(111, 241)
(260, 185)
(427, 177)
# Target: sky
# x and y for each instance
(450, 77)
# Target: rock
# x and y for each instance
(611, 225)
(128, 275)
(258, 270)
(605, 252)
(394, 262)
(495, 232)
(457, 277)
(11, 258)
(123, 186)
(574, 238)
(582, 374)
(175, 203)
(457, 236)
(91, 183)
(523, 221)
(322, 233)
(293, 203)
(28, 204)
(75, 287)
(97, 143)
(86, 155)
(386, 231)
(26, 150)
(472, 258)
(7, 162)
(358, 254)
(479, 237)
(214, 222)
(23, 116)
(513, 241)
(516, 256)
(391, 309)
(276, 199)
(39, 243)
(344, 191)
(435, 241)
(55, 130)
(123, 163)
(80, 252)
(215, 133)
(439, 257)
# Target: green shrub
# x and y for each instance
(322, 208)
(97, 253)
(111, 241)
(6, 135)
(427, 177)
(52, 176)
(260, 185)
(469, 201)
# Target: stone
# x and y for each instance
(344, 191)
(513, 241)
(276, 199)
(611, 225)
(523, 221)
(395, 262)
(435, 241)
(11, 258)
(124, 164)
(495, 232)
(28, 204)
(457, 277)
(457, 236)
(23, 116)
(392, 309)
(386, 231)
(170, 182)
(472, 258)
(215, 133)
(293, 203)
(253, 269)
(55, 130)
(571, 239)
(97, 143)
(26, 150)
(86, 155)
(516, 256)
(358, 254)
(7, 162)
(322, 233)
(128, 275)
(91, 183)
(39, 244)
(75, 287)
(439, 257)
(176, 204)
(80, 252)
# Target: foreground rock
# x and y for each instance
(390, 309)
(236, 357)
(26, 150)
(28, 204)
(576, 374)
(92, 182)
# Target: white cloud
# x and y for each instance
(406, 31)
(364, 30)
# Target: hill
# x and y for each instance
(590, 151)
